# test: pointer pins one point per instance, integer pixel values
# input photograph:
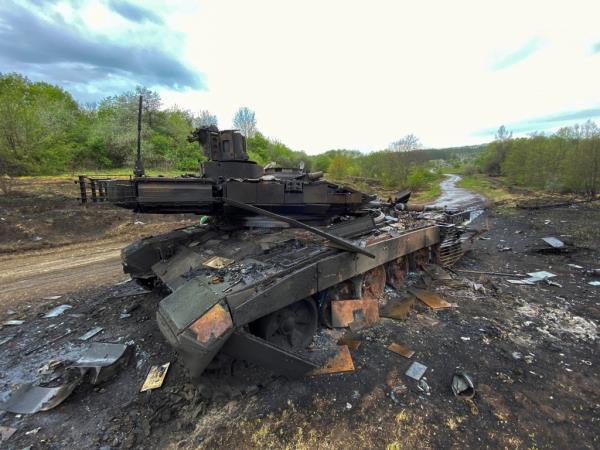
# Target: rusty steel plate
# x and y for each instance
(349, 341)
(213, 324)
(345, 312)
(399, 311)
(401, 350)
(432, 300)
(341, 362)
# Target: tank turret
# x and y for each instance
(230, 175)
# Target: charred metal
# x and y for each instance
(284, 253)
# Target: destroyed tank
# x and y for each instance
(283, 253)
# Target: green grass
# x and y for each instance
(494, 189)
(429, 193)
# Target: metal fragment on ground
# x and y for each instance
(553, 242)
(14, 322)
(541, 275)
(341, 362)
(6, 433)
(349, 341)
(156, 377)
(525, 281)
(103, 359)
(29, 399)
(399, 311)
(401, 350)
(57, 311)
(431, 299)
(344, 312)
(93, 332)
(218, 262)
(462, 385)
(6, 339)
(594, 283)
(416, 370)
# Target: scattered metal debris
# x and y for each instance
(462, 385)
(416, 370)
(401, 350)
(93, 332)
(52, 297)
(99, 361)
(156, 377)
(526, 282)
(4, 340)
(29, 399)
(399, 311)
(341, 362)
(594, 283)
(57, 311)
(541, 275)
(554, 242)
(51, 341)
(349, 341)
(6, 433)
(13, 322)
(431, 299)
(218, 262)
(423, 386)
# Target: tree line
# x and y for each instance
(44, 131)
(565, 161)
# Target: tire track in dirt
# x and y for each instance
(58, 271)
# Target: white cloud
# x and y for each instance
(358, 74)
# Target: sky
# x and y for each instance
(329, 74)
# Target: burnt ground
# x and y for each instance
(531, 350)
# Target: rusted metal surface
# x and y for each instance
(344, 312)
(341, 362)
(396, 272)
(349, 341)
(399, 310)
(431, 299)
(401, 350)
(212, 325)
(373, 283)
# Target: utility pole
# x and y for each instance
(138, 171)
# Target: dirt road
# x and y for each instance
(56, 271)
(454, 197)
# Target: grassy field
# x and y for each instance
(494, 189)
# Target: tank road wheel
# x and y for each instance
(373, 283)
(292, 327)
(396, 272)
